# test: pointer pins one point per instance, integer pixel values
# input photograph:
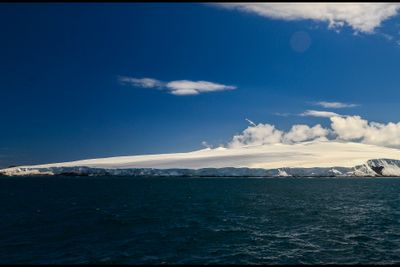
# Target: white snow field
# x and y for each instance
(313, 154)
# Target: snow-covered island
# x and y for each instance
(305, 159)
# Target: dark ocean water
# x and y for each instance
(199, 220)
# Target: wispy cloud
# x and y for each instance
(280, 114)
(179, 87)
(362, 17)
(326, 104)
(250, 122)
(141, 82)
(319, 113)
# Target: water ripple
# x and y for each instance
(199, 221)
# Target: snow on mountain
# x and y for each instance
(325, 158)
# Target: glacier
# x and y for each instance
(305, 159)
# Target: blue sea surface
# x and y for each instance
(199, 220)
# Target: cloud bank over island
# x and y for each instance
(178, 87)
(342, 128)
(361, 17)
(264, 134)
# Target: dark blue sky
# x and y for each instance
(60, 63)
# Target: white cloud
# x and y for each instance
(180, 87)
(326, 104)
(301, 132)
(260, 134)
(354, 128)
(318, 113)
(345, 128)
(185, 87)
(349, 128)
(263, 134)
(362, 17)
